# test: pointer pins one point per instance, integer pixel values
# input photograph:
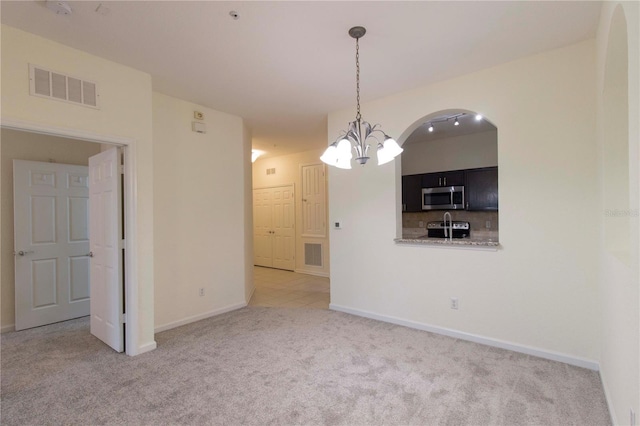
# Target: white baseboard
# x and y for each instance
(541, 353)
(314, 273)
(8, 328)
(147, 347)
(199, 317)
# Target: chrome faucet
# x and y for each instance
(450, 233)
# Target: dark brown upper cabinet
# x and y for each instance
(433, 180)
(481, 189)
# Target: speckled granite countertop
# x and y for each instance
(456, 242)
(477, 240)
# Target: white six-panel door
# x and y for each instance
(262, 231)
(51, 242)
(274, 227)
(106, 249)
(313, 201)
(283, 228)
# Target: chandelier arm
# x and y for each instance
(374, 130)
(373, 137)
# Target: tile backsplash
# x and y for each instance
(477, 220)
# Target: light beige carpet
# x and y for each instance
(284, 366)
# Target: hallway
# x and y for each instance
(278, 288)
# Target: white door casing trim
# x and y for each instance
(132, 343)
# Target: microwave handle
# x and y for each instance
(445, 181)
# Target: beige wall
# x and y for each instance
(618, 91)
(34, 147)
(539, 290)
(125, 113)
(288, 171)
(200, 184)
(455, 153)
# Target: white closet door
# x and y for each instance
(51, 242)
(274, 227)
(313, 201)
(283, 226)
(262, 229)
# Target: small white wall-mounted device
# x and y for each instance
(198, 127)
(198, 115)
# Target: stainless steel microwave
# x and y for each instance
(443, 198)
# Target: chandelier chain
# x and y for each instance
(358, 116)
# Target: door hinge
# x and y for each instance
(121, 169)
(124, 319)
(121, 244)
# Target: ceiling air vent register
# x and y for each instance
(53, 85)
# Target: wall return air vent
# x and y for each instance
(50, 84)
(313, 254)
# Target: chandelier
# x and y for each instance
(339, 154)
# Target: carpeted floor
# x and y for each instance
(285, 366)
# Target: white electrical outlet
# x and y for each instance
(454, 303)
(421, 224)
(487, 224)
(202, 292)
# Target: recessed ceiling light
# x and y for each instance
(235, 15)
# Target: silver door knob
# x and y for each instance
(23, 252)
(90, 254)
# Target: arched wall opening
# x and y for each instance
(453, 148)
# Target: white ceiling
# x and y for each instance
(284, 65)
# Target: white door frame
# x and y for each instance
(130, 210)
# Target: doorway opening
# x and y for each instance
(302, 275)
(42, 151)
